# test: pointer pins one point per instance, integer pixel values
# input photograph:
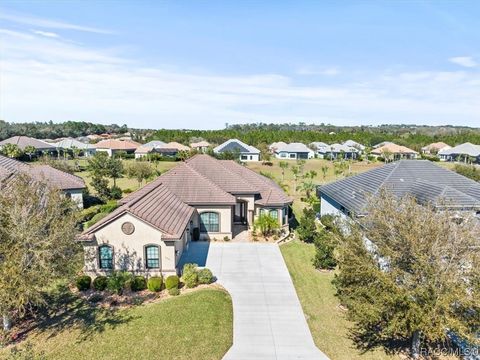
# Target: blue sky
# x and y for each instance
(202, 64)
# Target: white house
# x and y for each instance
(354, 144)
(466, 152)
(338, 151)
(70, 144)
(292, 151)
(247, 152)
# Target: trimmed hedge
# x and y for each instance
(100, 283)
(190, 275)
(83, 282)
(172, 282)
(205, 276)
(139, 283)
(155, 283)
(174, 291)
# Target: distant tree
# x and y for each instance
(30, 151)
(183, 155)
(11, 150)
(308, 187)
(301, 165)
(295, 172)
(419, 278)
(102, 166)
(114, 169)
(324, 169)
(283, 165)
(140, 171)
(37, 244)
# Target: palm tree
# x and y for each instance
(30, 151)
(11, 150)
(324, 169)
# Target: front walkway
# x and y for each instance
(268, 319)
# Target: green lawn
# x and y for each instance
(197, 325)
(327, 322)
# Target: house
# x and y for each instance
(200, 146)
(292, 151)
(112, 146)
(147, 148)
(170, 149)
(247, 152)
(71, 185)
(23, 141)
(383, 143)
(422, 179)
(70, 145)
(466, 152)
(319, 148)
(337, 151)
(435, 148)
(394, 152)
(354, 144)
(201, 198)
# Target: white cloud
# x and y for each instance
(48, 78)
(466, 61)
(46, 23)
(46, 33)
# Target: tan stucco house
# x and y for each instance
(200, 199)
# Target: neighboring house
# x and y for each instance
(112, 146)
(423, 179)
(147, 148)
(70, 144)
(247, 152)
(435, 148)
(356, 145)
(71, 185)
(292, 151)
(201, 146)
(383, 143)
(319, 147)
(394, 152)
(201, 198)
(466, 152)
(23, 141)
(170, 149)
(338, 151)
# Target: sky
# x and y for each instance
(202, 64)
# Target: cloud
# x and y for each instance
(465, 61)
(46, 33)
(46, 23)
(45, 78)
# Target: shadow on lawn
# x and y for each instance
(367, 340)
(65, 310)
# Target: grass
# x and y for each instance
(196, 325)
(327, 322)
(275, 172)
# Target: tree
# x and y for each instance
(324, 250)
(114, 169)
(140, 171)
(418, 278)
(11, 150)
(295, 172)
(37, 247)
(30, 151)
(308, 187)
(307, 228)
(283, 165)
(324, 169)
(100, 166)
(267, 224)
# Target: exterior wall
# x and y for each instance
(250, 157)
(77, 196)
(282, 222)
(293, 155)
(226, 221)
(108, 151)
(140, 155)
(328, 206)
(129, 250)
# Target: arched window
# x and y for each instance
(209, 222)
(274, 214)
(105, 256)
(152, 257)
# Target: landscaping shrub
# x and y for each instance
(100, 283)
(116, 192)
(139, 283)
(174, 291)
(155, 283)
(324, 251)
(172, 282)
(307, 229)
(83, 282)
(190, 275)
(205, 276)
(119, 281)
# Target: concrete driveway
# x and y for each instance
(268, 319)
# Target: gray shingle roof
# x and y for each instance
(23, 141)
(70, 143)
(292, 147)
(235, 144)
(56, 178)
(463, 149)
(426, 181)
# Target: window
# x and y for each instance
(274, 214)
(244, 157)
(152, 257)
(292, 155)
(106, 257)
(209, 222)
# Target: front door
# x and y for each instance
(240, 213)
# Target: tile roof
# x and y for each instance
(463, 149)
(235, 144)
(436, 146)
(57, 178)
(69, 143)
(292, 147)
(426, 181)
(23, 141)
(319, 145)
(158, 207)
(394, 149)
(200, 144)
(354, 144)
(115, 144)
(153, 143)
